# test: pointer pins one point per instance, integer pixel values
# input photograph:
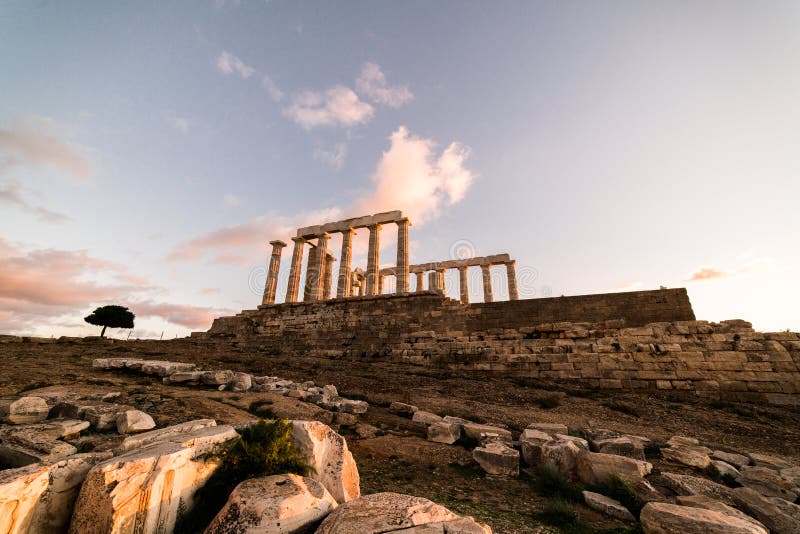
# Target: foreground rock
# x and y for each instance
(275, 504)
(699, 501)
(327, 452)
(392, 512)
(144, 489)
(689, 485)
(23, 410)
(497, 459)
(39, 498)
(38, 443)
(771, 511)
(664, 518)
(608, 506)
(596, 467)
(443, 432)
(133, 421)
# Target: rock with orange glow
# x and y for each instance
(327, 452)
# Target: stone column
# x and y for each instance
(326, 280)
(322, 258)
(343, 284)
(401, 271)
(272, 273)
(433, 281)
(380, 283)
(294, 271)
(312, 274)
(511, 274)
(420, 281)
(487, 283)
(463, 285)
(440, 280)
(373, 259)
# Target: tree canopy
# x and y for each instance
(111, 316)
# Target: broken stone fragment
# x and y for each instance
(403, 409)
(676, 441)
(275, 504)
(767, 482)
(240, 382)
(23, 410)
(725, 469)
(442, 432)
(621, 446)
(163, 434)
(664, 518)
(103, 416)
(692, 456)
(550, 428)
(474, 431)
(769, 510)
(133, 421)
(330, 390)
(327, 452)
(185, 377)
(165, 368)
(770, 462)
(579, 442)
(608, 506)
(531, 441)
(563, 454)
(38, 443)
(425, 418)
(497, 459)
(700, 501)
(596, 467)
(216, 378)
(689, 485)
(736, 460)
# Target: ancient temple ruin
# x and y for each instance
(359, 283)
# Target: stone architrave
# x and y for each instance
(272, 273)
(294, 271)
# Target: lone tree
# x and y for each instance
(113, 316)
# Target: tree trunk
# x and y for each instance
(103, 332)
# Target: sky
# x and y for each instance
(149, 151)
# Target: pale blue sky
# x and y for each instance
(607, 145)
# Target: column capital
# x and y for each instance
(299, 240)
(277, 243)
(324, 235)
(403, 220)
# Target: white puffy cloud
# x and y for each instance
(372, 84)
(227, 63)
(337, 106)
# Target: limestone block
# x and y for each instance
(26, 444)
(707, 503)
(144, 489)
(22, 410)
(595, 467)
(274, 505)
(770, 462)
(426, 418)
(561, 453)
(725, 468)
(676, 441)
(327, 452)
(40, 497)
(531, 441)
(403, 409)
(621, 446)
(664, 518)
(442, 432)
(217, 378)
(240, 382)
(736, 460)
(550, 428)
(352, 406)
(133, 421)
(767, 482)
(691, 456)
(104, 416)
(474, 431)
(165, 368)
(689, 485)
(497, 459)
(580, 442)
(163, 434)
(766, 509)
(330, 390)
(608, 506)
(186, 377)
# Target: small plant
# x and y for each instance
(622, 407)
(546, 402)
(616, 488)
(558, 513)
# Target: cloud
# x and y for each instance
(372, 84)
(333, 158)
(43, 141)
(227, 63)
(231, 200)
(705, 273)
(272, 90)
(338, 106)
(410, 176)
(11, 193)
(192, 317)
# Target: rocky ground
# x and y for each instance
(391, 450)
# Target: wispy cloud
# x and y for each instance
(372, 84)
(11, 193)
(43, 141)
(272, 89)
(192, 317)
(338, 106)
(227, 63)
(333, 158)
(705, 273)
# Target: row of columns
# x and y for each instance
(436, 281)
(320, 264)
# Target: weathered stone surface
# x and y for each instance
(103, 416)
(163, 434)
(143, 490)
(607, 505)
(327, 452)
(442, 432)
(497, 459)
(689, 485)
(184, 377)
(561, 453)
(595, 467)
(550, 428)
(217, 378)
(687, 455)
(274, 505)
(241, 382)
(725, 469)
(384, 512)
(23, 410)
(474, 431)
(425, 418)
(530, 442)
(621, 446)
(133, 421)
(792, 476)
(26, 444)
(664, 518)
(700, 501)
(736, 460)
(677, 441)
(352, 406)
(403, 409)
(579, 442)
(768, 461)
(766, 510)
(767, 482)
(330, 390)
(39, 498)
(165, 368)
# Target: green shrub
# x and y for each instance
(262, 449)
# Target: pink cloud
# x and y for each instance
(706, 273)
(192, 317)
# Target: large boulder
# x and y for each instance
(530, 444)
(665, 518)
(144, 489)
(707, 503)
(133, 421)
(474, 431)
(689, 485)
(621, 446)
(21, 410)
(393, 512)
(767, 482)
(442, 432)
(241, 382)
(692, 456)
(40, 497)
(274, 505)
(595, 467)
(771, 511)
(736, 460)
(561, 453)
(162, 434)
(497, 459)
(327, 452)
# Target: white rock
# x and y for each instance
(165, 368)
(144, 489)
(274, 505)
(330, 390)
(561, 453)
(23, 410)
(353, 406)
(608, 506)
(216, 378)
(103, 416)
(664, 518)
(133, 421)
(241, 382)
(442, 432)
(327, 452)
(163, 434)
(497, 459)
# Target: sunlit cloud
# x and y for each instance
(338, 106)
(372, 84)
(706, 273)
(192, 317)
(227, 63)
